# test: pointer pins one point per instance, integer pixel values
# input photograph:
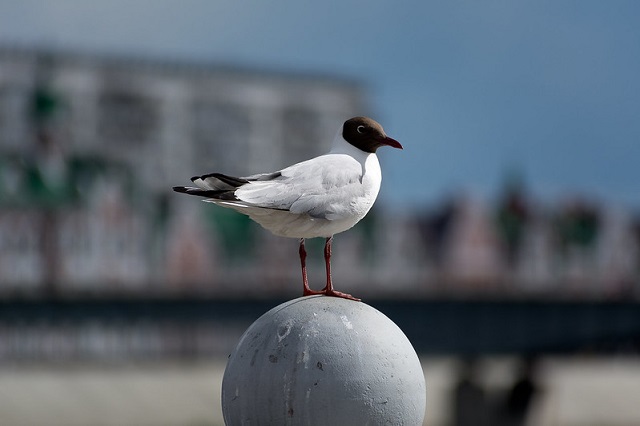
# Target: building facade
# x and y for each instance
(90, 147)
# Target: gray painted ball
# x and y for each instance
(323, 361)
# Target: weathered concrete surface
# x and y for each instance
(323, 361)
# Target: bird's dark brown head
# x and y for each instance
(366, 134)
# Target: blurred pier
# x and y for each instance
(189, 328)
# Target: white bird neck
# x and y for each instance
(341, 146)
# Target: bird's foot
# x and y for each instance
(340, 294)
(309, 292)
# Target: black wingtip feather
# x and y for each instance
(218, 195)
(182, 189)
(229, 180)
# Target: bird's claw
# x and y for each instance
(331, 293)
(340, 294)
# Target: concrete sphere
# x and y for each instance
(323, 361)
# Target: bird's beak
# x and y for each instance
(391, 142)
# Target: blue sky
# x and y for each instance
(472, 89)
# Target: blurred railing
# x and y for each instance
(124, 330)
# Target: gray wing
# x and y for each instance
(322, 187)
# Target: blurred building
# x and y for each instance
(90, 147)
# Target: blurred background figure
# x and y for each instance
(470, 403)
(515, 409)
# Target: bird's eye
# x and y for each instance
(360, 129)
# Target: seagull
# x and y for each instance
(319, 197)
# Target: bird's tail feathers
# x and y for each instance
(214, 185)
(209, 193)
(218, 182)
